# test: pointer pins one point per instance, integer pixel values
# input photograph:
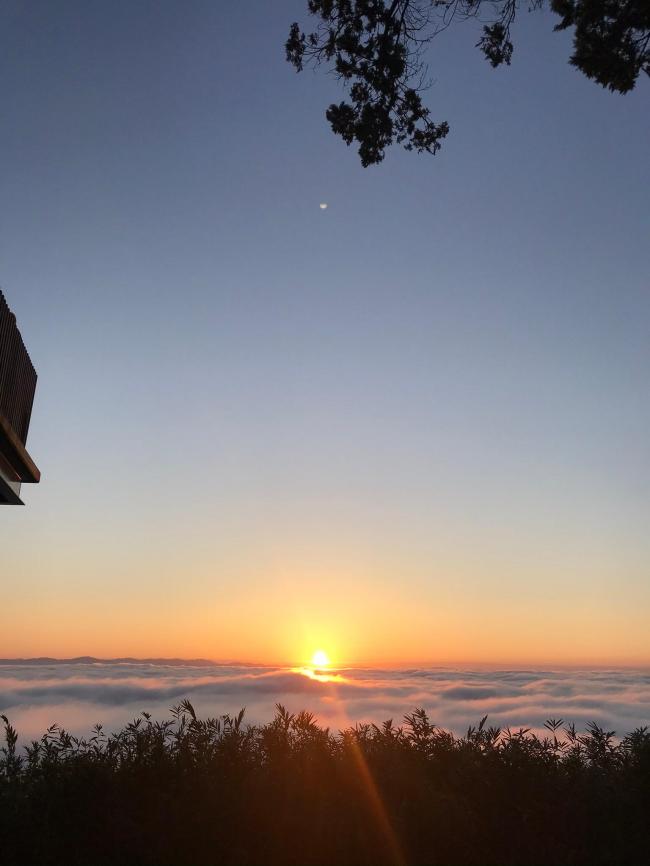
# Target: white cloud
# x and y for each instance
(78, 695)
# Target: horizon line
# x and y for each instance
(180, 661)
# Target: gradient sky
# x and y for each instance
(414, 426)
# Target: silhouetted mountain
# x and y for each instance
(127, 660)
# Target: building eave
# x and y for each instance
(15, 453)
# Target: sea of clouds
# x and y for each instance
(77, 695)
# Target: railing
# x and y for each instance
(17, 374)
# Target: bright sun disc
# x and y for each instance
(320, 659)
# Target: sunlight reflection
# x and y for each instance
(368, 785)
(320, 675)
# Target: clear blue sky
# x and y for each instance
(428, 403)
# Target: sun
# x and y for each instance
(320, 659)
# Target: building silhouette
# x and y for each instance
(17, 387)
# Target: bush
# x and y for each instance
(216, 791)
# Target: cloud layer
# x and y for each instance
(78, 695)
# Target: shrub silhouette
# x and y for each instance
(216, 791)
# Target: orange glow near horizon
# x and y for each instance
(319, 668)
(288, 611)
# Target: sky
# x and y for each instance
(412, 427)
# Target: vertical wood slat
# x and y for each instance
(17, 374)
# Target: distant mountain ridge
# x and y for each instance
(127, 660)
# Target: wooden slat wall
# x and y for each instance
(17, 374)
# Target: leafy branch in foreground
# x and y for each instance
(377, 49)
(188, 790)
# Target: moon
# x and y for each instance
(323, 205)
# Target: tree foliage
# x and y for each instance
(376, 48)
(216, 791)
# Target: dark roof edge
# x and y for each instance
(11, 312)
(17, 454)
